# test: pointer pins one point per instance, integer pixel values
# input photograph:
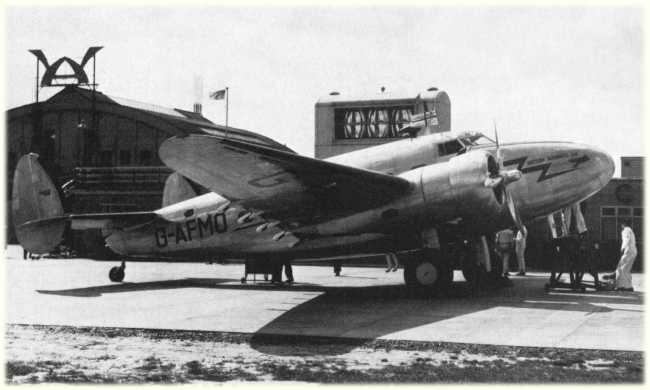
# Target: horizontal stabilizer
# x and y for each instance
(38, 214)
(41, 236)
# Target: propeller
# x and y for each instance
(499, 178)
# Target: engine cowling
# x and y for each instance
(457, 189)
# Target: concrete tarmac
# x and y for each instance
(362, 303)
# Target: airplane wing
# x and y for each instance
(285, 186)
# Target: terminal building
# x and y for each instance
(347, 123)
(621, 199)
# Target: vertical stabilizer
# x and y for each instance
(177, 189)
(35, 204)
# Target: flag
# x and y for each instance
(218, 95)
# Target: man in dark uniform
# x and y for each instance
(276, 274)
(337, 267)
(288, 271)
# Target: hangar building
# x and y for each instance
(621, 199)
(102, 150)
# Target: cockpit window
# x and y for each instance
(475, 139)
(449, 147)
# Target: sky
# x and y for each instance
(564, 73)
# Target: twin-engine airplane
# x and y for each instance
(269, 204)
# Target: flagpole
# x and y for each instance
(37, 77)
(226, 106)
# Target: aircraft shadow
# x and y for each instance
(341, 319)
(345, 319)
(216, 283)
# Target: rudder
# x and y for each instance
(177, 189)
(36, 207)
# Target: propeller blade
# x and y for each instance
(512, 207)
(499, 153)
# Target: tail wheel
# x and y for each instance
(116, 274)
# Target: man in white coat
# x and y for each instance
(623, 274)
(520, 249)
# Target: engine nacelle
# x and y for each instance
(457, 189)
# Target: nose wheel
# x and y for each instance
(116, 274)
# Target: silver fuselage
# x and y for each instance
(444, 188)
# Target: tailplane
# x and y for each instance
(36, 208)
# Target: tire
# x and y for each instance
(428, 275)
(116, 274)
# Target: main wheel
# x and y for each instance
(427, 276)
(116, 274)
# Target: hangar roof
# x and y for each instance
(181, 121)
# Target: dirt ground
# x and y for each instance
(36, 354)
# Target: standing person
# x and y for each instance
(288, 271)
(623, 274)
(276, 274)
(337, 267)
(520, 249)
(391, 262)
(504, 245)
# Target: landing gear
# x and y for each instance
(428, 274)
(116, 274)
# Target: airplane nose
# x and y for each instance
(605, 165)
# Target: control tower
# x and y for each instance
(347, 123)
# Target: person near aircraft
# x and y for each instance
(622, 277)
(503, 246)
(337, 267)
(288, 271)
(276, 274)
(391, 261)
(520, 249)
